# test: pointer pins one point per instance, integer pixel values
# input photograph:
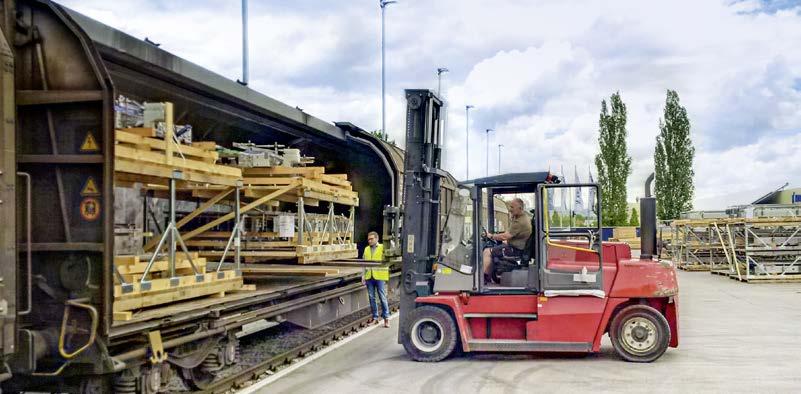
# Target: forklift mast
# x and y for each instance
(421, 199)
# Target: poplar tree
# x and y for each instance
(613, 162)
(673, 161)
(634, 219)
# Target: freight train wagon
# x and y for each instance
(61, 74)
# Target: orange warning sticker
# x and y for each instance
(90, 188)
(89, 143)
(90, 209)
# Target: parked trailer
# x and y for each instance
(61, 74)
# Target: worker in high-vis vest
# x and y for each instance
(376, 278)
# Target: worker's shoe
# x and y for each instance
(487, 279)
(386, 323)
(372, 321)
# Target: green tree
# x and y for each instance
(555, 219)
(383, 136)
(613, 162)
(673, 161)
(634, 219)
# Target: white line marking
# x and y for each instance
(286, 371)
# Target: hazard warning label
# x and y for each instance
(89, 143)
(90, 188)
(90, 209)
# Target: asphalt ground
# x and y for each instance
(734, 337)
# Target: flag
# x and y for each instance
(579, 203)
(562, 192)
(591, 200)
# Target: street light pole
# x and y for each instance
(383, 4)
(499, 158)
(440, 71)
(467, 141)
(245, 68)
(488, 131)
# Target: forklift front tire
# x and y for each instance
(432, 334)
(639, 333)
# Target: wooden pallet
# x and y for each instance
(795, 278)
(162, 292)
(131, 268)
(321, 253)
(721, 272)
(301, 254)
(267, 270)
(693, 267)
(151, 160)
(624, 232)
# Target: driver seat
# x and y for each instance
(514, 263)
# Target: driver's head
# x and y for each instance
(372, 238)
(516, 206)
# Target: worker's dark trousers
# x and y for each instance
(380, 287)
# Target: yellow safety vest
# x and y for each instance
(377, 273)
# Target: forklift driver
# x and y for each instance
(515, 238)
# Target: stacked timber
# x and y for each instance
(153, 160)
(149, 158)
(276, 224)
(627, 235)
(700, 244)
(138, 287)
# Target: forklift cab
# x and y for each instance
(562, 254)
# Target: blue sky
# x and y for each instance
(536, 71)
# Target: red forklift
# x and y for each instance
(563, 293)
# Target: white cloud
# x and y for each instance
(536, 72)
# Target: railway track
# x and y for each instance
(256, 372)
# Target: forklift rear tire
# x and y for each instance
(432, 334)
(639, 333)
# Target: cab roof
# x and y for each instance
(513, 180)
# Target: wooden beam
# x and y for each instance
(169, 128)
(155, 143)
(244, 209)
(202, 208)
(268, 181)
(333, 180)
(158, 157)
(305, 171)
(289, 270)
(162, 171)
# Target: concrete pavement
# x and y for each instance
(735, 337)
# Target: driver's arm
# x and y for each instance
(504, 236)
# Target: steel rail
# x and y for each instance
(273, 363)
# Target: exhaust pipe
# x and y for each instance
(648, 222)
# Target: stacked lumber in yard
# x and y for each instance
(698, 245)
(628, 235)
(159, 289)
(757, 249)
(765, 249)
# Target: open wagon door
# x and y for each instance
(569, 236)
(8, 209)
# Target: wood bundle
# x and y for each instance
(161, 291)
(152, 160)
(325, 236)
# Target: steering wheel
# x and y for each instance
(484, 233)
